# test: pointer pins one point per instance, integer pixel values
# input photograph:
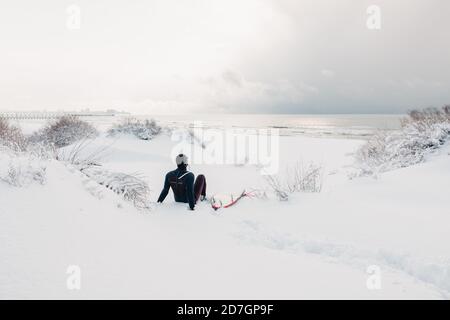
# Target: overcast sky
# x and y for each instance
(265, 56)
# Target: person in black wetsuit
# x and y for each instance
(182, 184)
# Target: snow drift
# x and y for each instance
(316, 245)
(422, 132)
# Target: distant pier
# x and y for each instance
(44, 115)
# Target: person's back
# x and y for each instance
(182, 184)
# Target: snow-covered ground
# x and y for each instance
(316, 245)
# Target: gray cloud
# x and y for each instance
(283, 56)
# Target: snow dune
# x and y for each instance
(313, 246)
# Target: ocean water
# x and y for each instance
(350, 126)
(345, 126)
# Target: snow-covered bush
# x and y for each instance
(420, 133)
(42, 150)
(302, 178)
(278, 189)
(196, 140)
(21, 168)
(78, 155)
(64, 131)
(142, 129)
(11, 136)
(131, 186)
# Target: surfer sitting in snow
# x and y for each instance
(182, 183)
